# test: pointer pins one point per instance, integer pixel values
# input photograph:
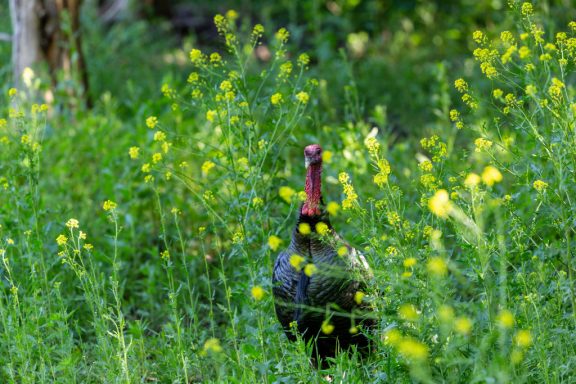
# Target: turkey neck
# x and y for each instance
(313, 190)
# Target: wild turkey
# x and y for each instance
(326, 293)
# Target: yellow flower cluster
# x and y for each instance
(437, 148)
(555, 90)
(482, 144)
(274, 242)
(296, 261)
(303, 97)
(282, 35)
(310, 269)
(276, 98)
(286, 194)
(440, 204)
(540, 186)
(437, 266)
(109, 205)
(257, 292)
(351, 196)
(491, 175)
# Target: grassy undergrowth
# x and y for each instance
(147, 256)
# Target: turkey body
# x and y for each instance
(321, 306)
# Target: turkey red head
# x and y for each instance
(313, 189)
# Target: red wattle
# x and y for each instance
(313, 190)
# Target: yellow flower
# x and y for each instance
(497, 93)
(392, 337)
(151, 122)
(258, 31)
(327, 328)
(159, 136)
(72, 223)
(212, 345)
(206, 167)
(527, 9)
(303, 59)
(327, 156)
(413, 349)
(134, 152)
(523, 338)
(524, 52)
(482, 144)
(88, 246)
(472, 180)
(61, 240)
(540, 185)
(463, 325)
(193, 77)
(257, 292)
(25, 139)
(304, 228)
(478, 37)
(257, 202)
(238, 237)
(408, 312)
(156, 158)
(358, 297)
(282, 35)
(507, 37)
(196, 56)
(215, 58)
(437, 266)
(226, 85)
(211, 115)
(333, 208)
(491, 175)
(274, 242)
(342, 251)
(82, 235)
(505, 319)
(276, 98)
(286, 193)
(296, 261)
(409, 262)
(145, 167)
(322, 228)
(440, 203)
(461, 85)
(310, 269)
(109, 205)
(426, 166)
(303, 97)
(285, 71)
(12, 92)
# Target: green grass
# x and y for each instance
(137, 238)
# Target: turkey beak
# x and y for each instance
(307, 162)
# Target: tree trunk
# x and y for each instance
(50, 30)
(25, 36)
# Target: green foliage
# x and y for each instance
(137, 239)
